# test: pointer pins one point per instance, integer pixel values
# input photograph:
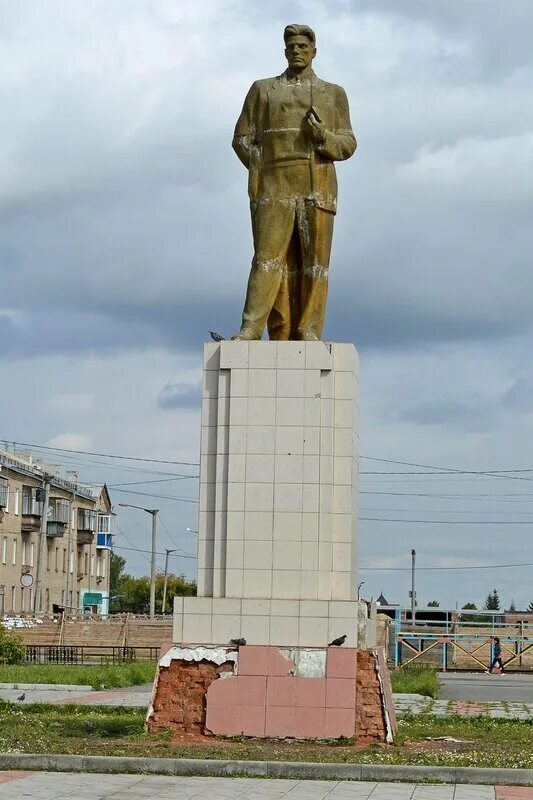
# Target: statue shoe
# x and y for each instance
(308, 336)
(245, 335)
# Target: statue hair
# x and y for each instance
(299, 30)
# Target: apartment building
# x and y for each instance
(79, 538)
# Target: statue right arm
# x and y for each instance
(244, 136)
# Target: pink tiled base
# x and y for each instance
(264, 700)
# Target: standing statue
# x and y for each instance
(290, 131)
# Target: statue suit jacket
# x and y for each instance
(264, 103)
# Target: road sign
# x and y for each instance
(92, 598)
(26, 580)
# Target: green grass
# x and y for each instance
(416, 680)
(119, 731)
(111, 676)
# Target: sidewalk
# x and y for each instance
(51, 785)
(418, 704)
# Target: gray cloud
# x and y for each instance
(180, 395)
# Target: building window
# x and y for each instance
(70, 598)
(57, 559)
(64, 559)
(4, 550)
(22, 599)
(73, 518)
(32, 554)
(24, 551)
(71, 562)
(4, 493)
(86, 562)
(16, 501)
(63, 597)
(48, 557)
(13, 598)
(14, 552)
(30, 605)
(92, 565)
(77, 599)
(99, 566)
(48, 600)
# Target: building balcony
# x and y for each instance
(104, 541)
(85, 537)
(56, 529)
(32, 509)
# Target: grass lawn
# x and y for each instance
(416, 680)
(107, 677)
(119, 732)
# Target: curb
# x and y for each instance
(47, 687)
(264, 769)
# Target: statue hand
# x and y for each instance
(316, 129)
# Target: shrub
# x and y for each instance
(11, 648)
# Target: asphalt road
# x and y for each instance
(478, 686)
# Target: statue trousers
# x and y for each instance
(288, 283)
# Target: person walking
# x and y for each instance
(496, 657)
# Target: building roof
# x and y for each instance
(25, 467)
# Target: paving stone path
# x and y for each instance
(418, 704)
(50, 785)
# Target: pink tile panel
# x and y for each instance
(251, 720)
(281, 691)
(277, 663)
(514, 792)
(221, 720)
(340, 693)
(279, 721)
(253, 660)
(310, 692)
(251, 690)
(341, 662)
(223, 692)
(340, 722)
(310, 723)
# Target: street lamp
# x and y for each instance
(359, 589)
(154, 512)
(191, 530)
(167, 551)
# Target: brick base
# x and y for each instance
(269, 695)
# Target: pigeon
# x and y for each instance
(338, 642)
(216, 337)
(22, 697)
(238, 642)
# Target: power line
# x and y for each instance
(428, 569)
(158, 496)
(103, 455)
(155, 480)
(158, 553)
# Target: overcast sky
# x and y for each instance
(125, 237)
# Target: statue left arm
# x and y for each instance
(339, 144)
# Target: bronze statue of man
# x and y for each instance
(290, 131)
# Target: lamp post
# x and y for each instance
(167, 551)
(154, 512)
(359, 589)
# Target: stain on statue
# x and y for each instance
(290, 131)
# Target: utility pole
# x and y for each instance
(413, 591)
(167, 551)
(154, 512)
(40, 549)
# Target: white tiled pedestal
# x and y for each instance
(278, 479)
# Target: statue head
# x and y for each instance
(300, 47)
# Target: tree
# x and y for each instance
(530, 606)
(116, 568)
(512, 607)
(133, 594)
(492, 603)
(470, 617)
(433, 604)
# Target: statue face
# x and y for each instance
(299, 52)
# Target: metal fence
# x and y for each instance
(88, 654)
